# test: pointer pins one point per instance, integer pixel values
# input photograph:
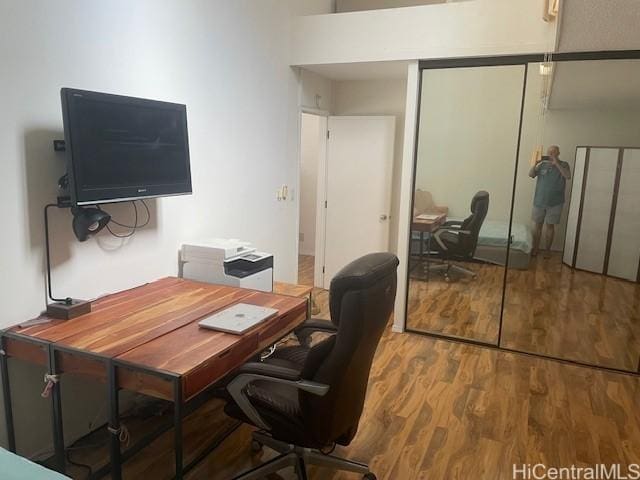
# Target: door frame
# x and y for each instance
(321, 196)
(405, 234)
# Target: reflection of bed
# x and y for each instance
(492, 244)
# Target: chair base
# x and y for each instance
(449, 267)
(298, 458)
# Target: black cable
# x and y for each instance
(133, 227)
(136, 223)
(79, 465)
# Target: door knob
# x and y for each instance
(384, 217)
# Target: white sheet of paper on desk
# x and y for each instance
(427, 216)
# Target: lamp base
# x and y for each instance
(63, 311)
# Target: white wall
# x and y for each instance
(568, 129)
(228, 62)
(309, 156)
(316, 91)
(468, 136)
(378, 97)
(406, 191)
(473, 28)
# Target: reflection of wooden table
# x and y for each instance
(147, 340)
(427, 226)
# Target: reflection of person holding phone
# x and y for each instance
(552, 175)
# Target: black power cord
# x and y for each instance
(84, 466)
(135, 225)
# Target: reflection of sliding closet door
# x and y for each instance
(596, 209)
(625, 244)
(574, 206)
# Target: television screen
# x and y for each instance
(123, 148)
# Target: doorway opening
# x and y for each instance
(313, 144)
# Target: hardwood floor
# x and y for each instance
(442, 410)
(305, 269)
(550, 309)
(464, 307)
(556, 310)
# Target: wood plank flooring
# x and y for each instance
(555, 310)
(442, 410)
(550, 309)
(464, 307)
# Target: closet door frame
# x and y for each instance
(524, 59)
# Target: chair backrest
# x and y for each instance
(361, 301)
(473, 223)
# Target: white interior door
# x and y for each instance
(625, 246)
(596, 209)
(358, 188)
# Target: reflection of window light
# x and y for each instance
(546, 68)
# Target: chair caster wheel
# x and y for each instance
(369, 476)
(256, 446)
(447, 279)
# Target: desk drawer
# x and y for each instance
(281, 327)
(28, 351)
(216, 368)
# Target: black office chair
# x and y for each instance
(458, 240)
(304, 399)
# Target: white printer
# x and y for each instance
(227, 262)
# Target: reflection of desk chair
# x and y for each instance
(458, 240)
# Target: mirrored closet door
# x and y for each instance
(578, 194)
(525, 226)
(467, 146)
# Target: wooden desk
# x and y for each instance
(297, 290)
(147, 340)
(427, 226)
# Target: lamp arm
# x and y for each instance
(67, 300)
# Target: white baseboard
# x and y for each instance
(397, 328)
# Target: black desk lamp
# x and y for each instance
(86, 222)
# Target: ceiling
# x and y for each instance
(595, 25)
(358, 5)
(362, 70)
(603, 84)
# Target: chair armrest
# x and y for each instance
(269, 370)
(452, 223)
(253, 371)
(304, 331)
(454, 231)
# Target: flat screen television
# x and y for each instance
(123, 148)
